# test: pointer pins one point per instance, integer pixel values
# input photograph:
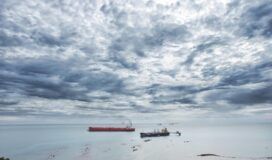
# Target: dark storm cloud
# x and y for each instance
(7, 103)
(254, 74)
(156, 88)
(40, 87)
(176, 94)
(103, 109)
(243, 96)
(206, 45)
(9, 40)
(119, 17)
(181, 90)
(168, 32)
(138, 41)
(47, 39)
(257, 20)
(248, 87)
(251, 97)
(36, 78)
(170, 100)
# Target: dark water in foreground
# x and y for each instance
(73, 142)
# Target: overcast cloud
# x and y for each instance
(135, 58)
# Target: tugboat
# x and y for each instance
(163, 132)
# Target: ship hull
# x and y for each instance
(154, 134)
(110, 129)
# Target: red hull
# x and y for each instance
(110, 129)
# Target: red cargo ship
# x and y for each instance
(128, 128)
(111, 129)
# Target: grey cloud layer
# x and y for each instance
(122, 58)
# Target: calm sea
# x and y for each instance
(74, 142)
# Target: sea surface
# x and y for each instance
(74, 142)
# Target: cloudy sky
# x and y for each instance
(135, 59)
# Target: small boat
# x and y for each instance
(111, 129)
(163, 132)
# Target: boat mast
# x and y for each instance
(130, 123)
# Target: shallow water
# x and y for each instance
(73, 142)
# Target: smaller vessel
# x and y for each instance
(163, 132)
